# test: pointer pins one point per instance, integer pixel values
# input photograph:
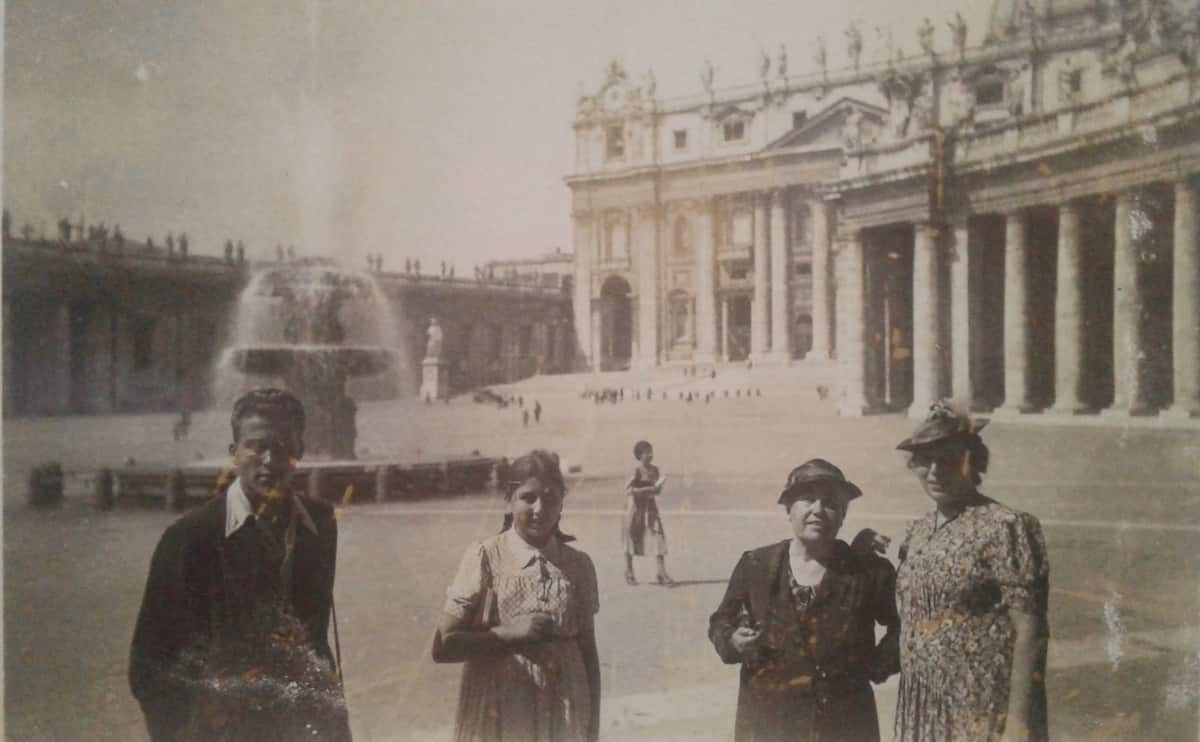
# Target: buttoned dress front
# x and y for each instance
(537, 692)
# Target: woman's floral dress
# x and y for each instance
(955, 587)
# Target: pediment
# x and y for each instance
(730, 113)
(827, 127)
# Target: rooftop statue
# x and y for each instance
(854, 44)
(708, 75)
(958, 32)
(925, 34)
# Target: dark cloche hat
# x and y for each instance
(944, 422)
(811, 472)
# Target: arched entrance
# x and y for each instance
(616, 324)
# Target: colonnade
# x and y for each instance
(1054, 371)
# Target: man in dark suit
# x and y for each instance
(800, 615)
(230, 641)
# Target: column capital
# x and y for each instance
(1074, 201)
(849, 233)
(932, 227)
(957, 220)
(697, 205)
(582, 216)
(777, 195)
(650, 210)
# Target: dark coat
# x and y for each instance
(812, 681)
(203, 593)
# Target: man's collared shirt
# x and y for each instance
(238, 510)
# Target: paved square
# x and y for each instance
(1119, 508)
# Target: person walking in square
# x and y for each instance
(642, 528)
(231, 639)
(520, 613)
(799, 616)
(972, 588)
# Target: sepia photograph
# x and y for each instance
(600, 370)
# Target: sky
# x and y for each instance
(431, 130)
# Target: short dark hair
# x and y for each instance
(641, 447)
(277, 405)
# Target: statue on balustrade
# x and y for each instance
(433, 344)
(958, 31)
(708, 76)
(925, 36)
(854, 44)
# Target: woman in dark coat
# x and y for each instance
(800, 615)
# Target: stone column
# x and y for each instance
(964, 311)
(927, 319)
(1068, 311)
(582, 299)
(760, 332)
(706, 316)
(851, 326)
(1016, 315)
(822, 328)
(781, 325)
(1185, 311)
(724, 349)
(596, 354)
(927, 357)
(9, 349)
(647, 268)
(1129, 392)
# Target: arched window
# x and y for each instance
(679, 308)
(802, 335)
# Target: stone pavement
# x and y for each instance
(1120, 509)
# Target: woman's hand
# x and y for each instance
(531, 627)
(869, 541)
(745, 642)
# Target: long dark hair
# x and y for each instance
(540, 464)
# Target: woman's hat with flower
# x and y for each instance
(945, 421)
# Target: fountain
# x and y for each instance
(313, 326)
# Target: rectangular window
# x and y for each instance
(1075, 81)
(798, 119)
(143, 343)
(738, 273)
(734, 130)
(989, 93)
(615, 142)
(681, 139)
(803, 269)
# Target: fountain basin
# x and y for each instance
(346, 361)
